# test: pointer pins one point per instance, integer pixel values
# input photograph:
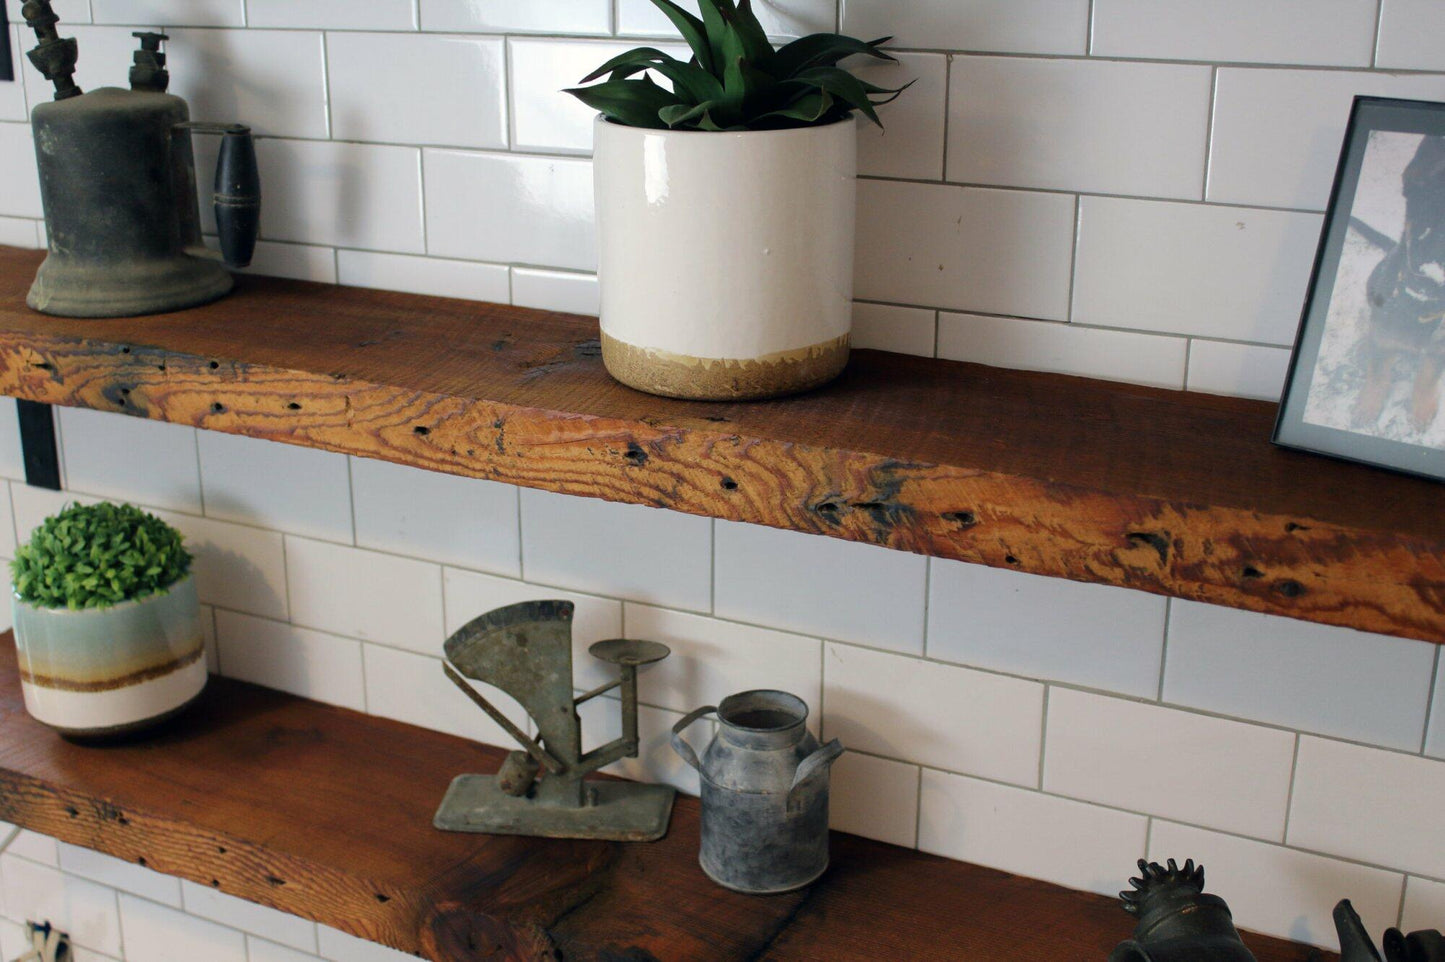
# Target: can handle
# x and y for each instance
(679, 744)
(813, 766)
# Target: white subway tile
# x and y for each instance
(7, 526)
(424, 275)
(1242, 370)
(1028, 833)
(260, 950)
(1409, 35)
(796, 18)
(118, 874)
(903, 330)
(469, 594)
(273, 82)
(308, 663)
(236, 566)
(439, 517)
(656, 760)
(1277, 133)
(910, 144)
(1435, 738)
(400, 88)
(999, 251)
(511, 209)
(21, 197)
(555, 291)
(83, 909)
(544, 118)
(1209, 771)
(13, 941)
(130, 459)
(159, 934)
(339, 946)
(1062, 348)
(36, 847)
(517, 16)
(1097, 126)
(1335, 33)
(19, 232)
(820, 586)
(300, 262)
(1193, 268)
(344, 195)
(624, 550)
(712, 659)
(178, 13)
(1092, 635)
(207, 903)
(1424, 905)
(208, 635)
(932, 714)
(1005, 26)
(294, 489)
(333, 14)
(12, 459)
(12, 93)
(875, 798)
(412, 688)
(1369, 804)
(1278, 891)
(364, 594)
(1299, 675)
(7, 832)
(105, 56)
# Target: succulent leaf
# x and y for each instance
(735, 79)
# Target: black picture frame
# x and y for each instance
(1354, 344)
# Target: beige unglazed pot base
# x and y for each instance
(711, 379)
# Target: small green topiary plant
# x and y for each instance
(735, 80)
(98, 555)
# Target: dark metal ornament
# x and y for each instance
(1355, 945)
(1177, 921)
(118, 183)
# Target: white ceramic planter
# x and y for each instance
(102, 671)
(725, 259)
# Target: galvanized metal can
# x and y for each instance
(764, 793)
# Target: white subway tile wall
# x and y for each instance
(1138, 203)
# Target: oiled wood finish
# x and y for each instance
(1179, 494)
(326, 813)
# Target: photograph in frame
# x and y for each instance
(1365, 381)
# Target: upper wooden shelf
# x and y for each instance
(1169, 492)
(326, 813)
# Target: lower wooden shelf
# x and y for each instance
(326, 813)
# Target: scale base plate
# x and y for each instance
(621, 812)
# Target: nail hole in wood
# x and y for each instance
(1251, 571)
(1294, 526)
(293, 406)
(828, 507)
(635, 454)
(215, 883)
(217, 407)
(383, 899)
(221, 849)
(1290, 589)
(273, 880)
(1011, 559)
(964, 519)
(72, 811)
(728, 484)
(421, 429)
(125, 350)
(141, 861)
(215, 364)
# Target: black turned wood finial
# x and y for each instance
(56, 56)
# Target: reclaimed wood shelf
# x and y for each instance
(1175, 493)
(326, 813)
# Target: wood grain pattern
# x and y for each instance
(1173, 493)
(326, 813)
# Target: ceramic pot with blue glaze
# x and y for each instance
(92, 672)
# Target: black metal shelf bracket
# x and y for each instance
(37, 444)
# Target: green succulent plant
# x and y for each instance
(735, 79)
(98, 555)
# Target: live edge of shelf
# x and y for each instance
(326, 813)
(1176, 493)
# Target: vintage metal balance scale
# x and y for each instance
(526, 650)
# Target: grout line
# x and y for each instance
(326, 83)
(1044, 734)
(1164, 645)
(1379, 33)
(1289, 794)
(521, 555)
(509, 92)
(927, 598)
(1209, 134)
(1148, 836)
(351, 496)
(947, 111)
(1404, 890)
(1089, 30)
(712, 567)
(1434, 695)
(1078, 240)
(918, 810)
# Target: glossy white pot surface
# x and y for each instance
(726, 245)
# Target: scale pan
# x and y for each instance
(624, 651)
